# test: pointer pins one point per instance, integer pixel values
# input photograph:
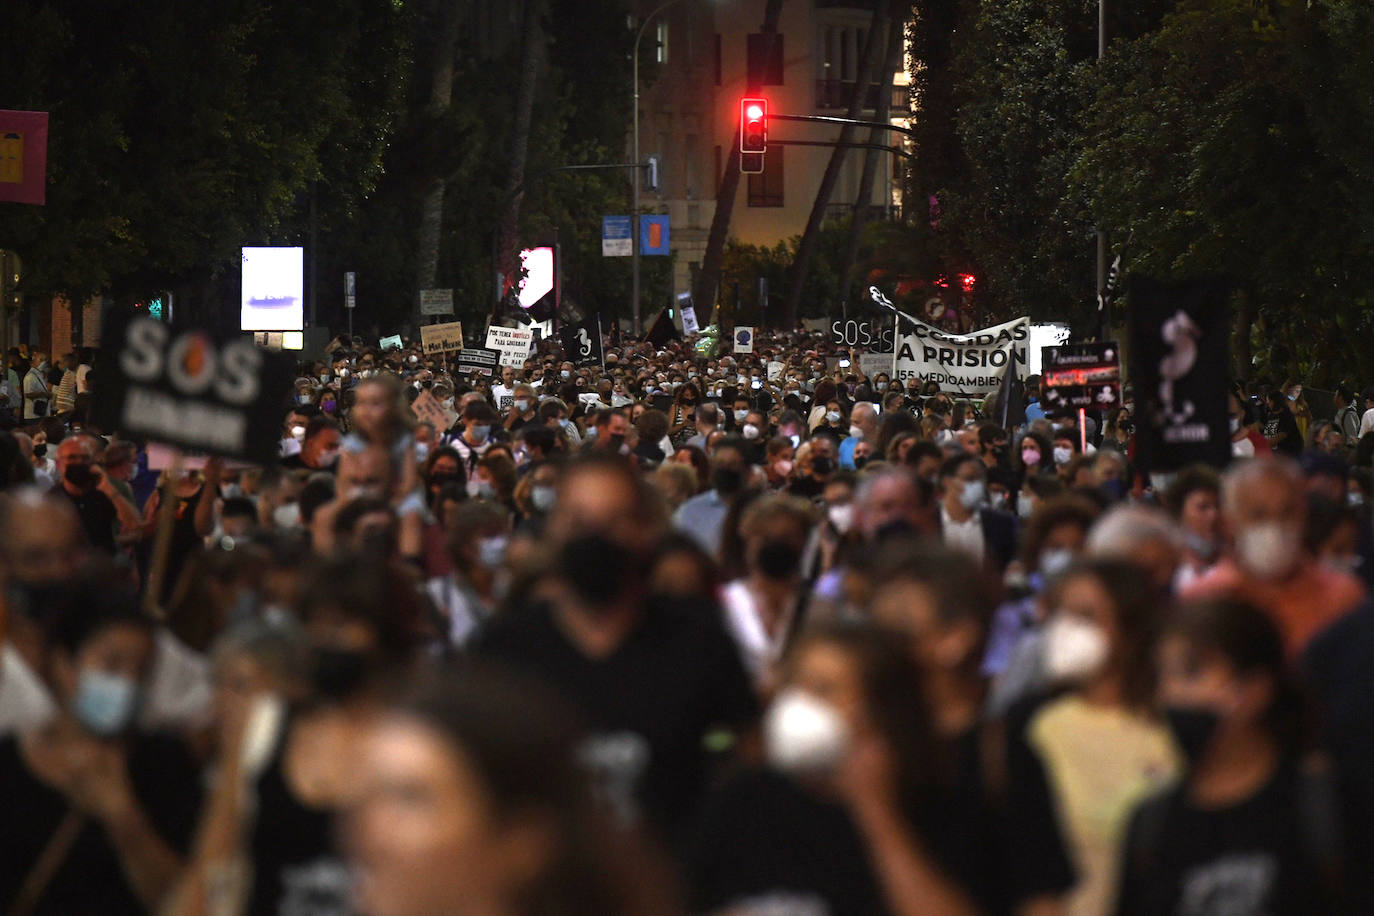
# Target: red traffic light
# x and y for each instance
(753, 126)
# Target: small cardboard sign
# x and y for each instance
(513, 344)
(427, 409)
(436, 302)
(441, 338)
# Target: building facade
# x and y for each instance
(696, 60)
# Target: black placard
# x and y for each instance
(582, 342)
(478, 359)
(1086, 375)
(1179, 353)
(191, 388)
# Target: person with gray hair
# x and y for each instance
(863, 427)
(1264, 513)
(1142, 535)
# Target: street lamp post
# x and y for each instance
(1105, 330)
(634, 209)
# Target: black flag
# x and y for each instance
(1011, 400)
(582, 342)
(1179, 341)
(661, 330)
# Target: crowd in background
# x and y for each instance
(746, 634)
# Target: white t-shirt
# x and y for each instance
(759, 650)
(966, 536)
(504, 397)
(1367, 422)
(176, 694)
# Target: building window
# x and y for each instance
(765, 59)
(661, 42)
(718, 57)
(766, 190)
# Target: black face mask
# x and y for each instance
(598, 568)
(727, 481)
(1193, 728)
(36, 599)
(80, 476)
(897, 528)
(616, 440)
(778, 559)
(822, 465)
(437, 481)
(860, 462)
(336, 674)
(41, 450)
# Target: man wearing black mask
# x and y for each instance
(703, 516)
(79, 480)
(653, 679)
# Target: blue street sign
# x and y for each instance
(616, 241)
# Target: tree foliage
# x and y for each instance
(1223, 136)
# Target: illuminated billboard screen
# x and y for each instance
(273, 293)
(538, 282)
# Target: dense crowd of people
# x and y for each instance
(681, 633)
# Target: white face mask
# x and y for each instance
(543, 498)
(1269, 550)
(832, 416)
(1235, 424)
(855, 432)
(298, 433)
(1074, 649)
(1063, 455)
(1024, 505)
(1054, 561)
(740, 415)
(803, 734)
(972, 495)
(287, 516)
(750, 431)
(491, 552)
(842, 517)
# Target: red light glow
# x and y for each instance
(753, 112)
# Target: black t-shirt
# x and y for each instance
(763, 842)
(764, 845)
(98, 518)
(297, 865)
(166, 783)
(1249, 859)
(650, 704)
(1013, 835)
(1337, 670)
(1282, 421)
(1037, 862)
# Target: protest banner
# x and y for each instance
(190, 388)
(513, 344)
(393, 342)
(1180, 336)
(744, 339)
(441, 338)
(478, 359)
(963, 365)
(1084, 375)
(775, 370)
(689, 320)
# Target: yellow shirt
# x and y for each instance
(1099, 763)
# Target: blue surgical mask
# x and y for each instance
(491, 552)
(543, 498)
(104, 703)
(480, 433)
